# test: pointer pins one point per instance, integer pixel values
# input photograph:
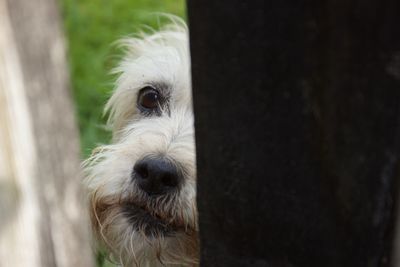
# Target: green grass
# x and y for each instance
(91, 27)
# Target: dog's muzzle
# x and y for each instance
(157, 176)
(160, 180)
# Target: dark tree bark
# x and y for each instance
(297, 130)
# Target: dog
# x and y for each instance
(142, 186)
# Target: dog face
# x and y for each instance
(142, 187)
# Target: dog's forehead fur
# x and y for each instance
(160, 59)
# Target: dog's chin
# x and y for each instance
(149, 223)
(138, 235)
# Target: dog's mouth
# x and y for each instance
(149, 223)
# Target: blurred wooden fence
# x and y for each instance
(42, 218)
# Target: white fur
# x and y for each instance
(159, 58)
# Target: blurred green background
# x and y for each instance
(92, 27)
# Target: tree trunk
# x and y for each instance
(42, 218)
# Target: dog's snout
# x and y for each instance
(156, 176)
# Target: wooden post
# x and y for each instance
(297, 116)
(42, 214)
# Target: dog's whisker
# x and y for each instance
(135, 260)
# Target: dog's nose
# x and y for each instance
(156, 176)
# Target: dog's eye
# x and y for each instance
(149, 98)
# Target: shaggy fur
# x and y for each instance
(138, 229)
